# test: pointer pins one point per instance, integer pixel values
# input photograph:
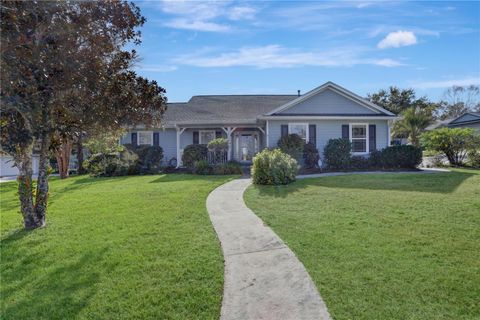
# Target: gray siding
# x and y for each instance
(167, 140)
(329, 129)
(330, 102)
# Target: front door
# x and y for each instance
(246, 146)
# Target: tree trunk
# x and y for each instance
(23, 161)
(80, 169)
(63, 157)
(41, 200)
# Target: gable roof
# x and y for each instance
(467, 117)
(338, 89)
(215, 109)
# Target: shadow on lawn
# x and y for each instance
(409, 182)
(60, 293)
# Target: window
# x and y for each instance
(206, 136)
(145, 137)
(299, 128)
(359, 137)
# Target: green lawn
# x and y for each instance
(114, 248)
(403, 246)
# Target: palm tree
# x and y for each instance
(413, 123)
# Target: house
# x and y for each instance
(253, 122)
(467, 120)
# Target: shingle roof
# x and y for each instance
(223, 108)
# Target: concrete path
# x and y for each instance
(263, 278)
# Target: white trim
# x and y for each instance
(267, 136)
(303, 124)
(303, 118)
(138, 138)
(367, 144)
(200, 135)
(338, 89)
(389, 138)
(179, 153)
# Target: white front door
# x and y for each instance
(246, 146)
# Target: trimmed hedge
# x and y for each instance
(273, 167)
(310, 155)
(193, 153)
(292, 144)
(398, 157)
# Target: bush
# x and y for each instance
(218, 144)
(111, 164)
(230, 167)
(202, 167)
(337, 153)
(149, 158)
(474, 158)
(193, 153)
(359, 163)
(454, 143)
(310, 155)
(399, 157)
(273, 167)
(292, 145)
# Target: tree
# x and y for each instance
(398, 100)
(458, 100)
(64, 71)
(413, 123)
(454, 143)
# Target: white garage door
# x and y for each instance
(7, 168)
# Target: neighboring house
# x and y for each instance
(467, 120)
(7, 167)
(438, 124)
(253, 122)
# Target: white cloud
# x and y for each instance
(197, 25)
(446, 83)
(398, 39)
(275, 56)
(203, 15)
(156, 68)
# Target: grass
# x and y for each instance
(114, 248)
(389, 246)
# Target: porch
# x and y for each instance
(243, 141)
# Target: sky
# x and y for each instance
(279, 47)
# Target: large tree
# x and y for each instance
(398, 100)
(65, 70)
(459, 99)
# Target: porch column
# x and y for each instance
(229, 131)
(179, 156)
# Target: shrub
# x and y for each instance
(292, 145)
(218, 144)
(230, 167)
(398, 157)
(202, 167)
(337, 153)
(111, 164)
(474, 158)
(359, 162)
(193, 153)
(310, 155)
(454, 143)
(149, 158)
(273, 167)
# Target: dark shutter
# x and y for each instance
(156, 139)
(372, 137)
(134, 138)
(284, 130)
(345, 131)
(218, 134)
(312, 133)
(196, 138)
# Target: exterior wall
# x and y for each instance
(167, 140)
(7, 168)
(328, 129)
(328, 101)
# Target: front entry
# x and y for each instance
(246, 146)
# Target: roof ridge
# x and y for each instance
(242, 95)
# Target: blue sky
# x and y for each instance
(277, 47)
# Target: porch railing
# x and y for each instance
(217, 157)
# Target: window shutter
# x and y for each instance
(284, 130)
(312, 133)
(134, 138)
(218, 134)
(156, 139)
(196, 138)
(345, 131)
(372, 137)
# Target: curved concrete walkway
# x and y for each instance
(263, 277)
